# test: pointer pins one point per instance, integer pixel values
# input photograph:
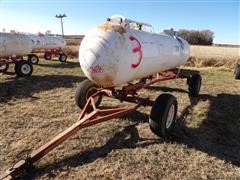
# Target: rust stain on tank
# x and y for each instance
(105, 81)
(110, 27)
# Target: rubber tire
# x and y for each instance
(159, 113)
(194, 85)
(47, 56)
(237, 72)
(81, 95)
(31, 60)
(62, 57)
(18, 68)
(5, 69)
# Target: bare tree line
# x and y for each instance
(197, 37)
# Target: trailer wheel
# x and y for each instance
(47, 56)
(237, 71)
(23, 68)
(4, 68)
(63, 57)
(163, 115)
(32, 58)
(194, 85)
(84, 90)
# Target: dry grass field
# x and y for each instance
(205, 143)
(214, 56)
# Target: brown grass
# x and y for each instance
(205, 144)
(73, 42)
(214, 56)
(71, 51)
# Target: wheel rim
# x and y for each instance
(63, 58)
(48, 56)
(34, 59)
(170, 116)
(198, 86)
(25, 69)
(90, 92)
(3, 67)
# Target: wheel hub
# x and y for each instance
(25, 69)
(34, 59)
(2, 67)
(63, 58)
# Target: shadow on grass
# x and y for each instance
(127, 139)
(219, 133)
(166, 89)
(26, 87)
(54, 59)
(67, 64)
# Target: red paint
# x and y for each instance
(135, 50)
(95, 69)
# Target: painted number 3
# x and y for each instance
(137, 49)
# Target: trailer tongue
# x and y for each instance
(91, 114)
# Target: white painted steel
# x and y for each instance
(45, 42)
(14, 45)
(117, 52)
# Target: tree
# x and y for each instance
(197, 37)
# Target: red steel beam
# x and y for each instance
(95, 117)
(85, 120)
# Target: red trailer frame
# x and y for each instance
(97, 115)
(48, 54)
(54, 52)
(10, 60)
(22, 67)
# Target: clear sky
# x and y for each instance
(222, 16)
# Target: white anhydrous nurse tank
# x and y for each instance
(45, 42)
(12, 44)
(121, 50)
